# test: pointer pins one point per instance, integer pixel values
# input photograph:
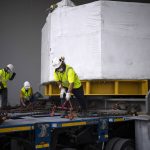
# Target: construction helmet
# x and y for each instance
(26, 85)
(11, 67)
(56, 62)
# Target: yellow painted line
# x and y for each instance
(118, 119)
(12, 129)
(73, 124)
(42, 146)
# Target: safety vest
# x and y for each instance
(26, 93)
(67, 77)
(4, 77)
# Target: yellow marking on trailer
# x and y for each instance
(42, 146)
(73, 124)
(118, 119)
(13, 129)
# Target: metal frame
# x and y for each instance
(42, 128)
(105, 87)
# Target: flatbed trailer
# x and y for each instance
(42, 132)
(106, 130)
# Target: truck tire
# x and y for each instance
(111, 143)
(124, 144)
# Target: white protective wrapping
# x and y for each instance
(101, 40)
(65, 3)
(125, 40)
(45, 52)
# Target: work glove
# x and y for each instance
(68, 96)
(62, 92)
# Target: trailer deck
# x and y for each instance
(42, 125)
(28, 122)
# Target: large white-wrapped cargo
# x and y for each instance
(100, 40)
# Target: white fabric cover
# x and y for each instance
(100, 40)
(65, 3)
(125, 40)
(45, 52)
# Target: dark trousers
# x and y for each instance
(79, 94)
(3, 93)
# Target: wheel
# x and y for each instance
(110, 144)
(124, 144)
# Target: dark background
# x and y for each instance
(21, 22)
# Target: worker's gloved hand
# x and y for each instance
(68, 96)
(62, 92)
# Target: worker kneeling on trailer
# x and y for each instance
(68, 82)
(26, 94)
(5, 74)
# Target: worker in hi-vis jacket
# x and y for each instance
(6, 74)
(68, 82)
(26, 94)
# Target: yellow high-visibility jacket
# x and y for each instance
(26, 94)
(67, 77)
(4, 77)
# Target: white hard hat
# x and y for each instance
(11, 67)
(26, 85)
(56, 62)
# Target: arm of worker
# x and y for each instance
(1, 84)
(32, 96)
(62, 89)
(59, 83)
(1, 79)
(71, 85)
(56, 78)
(68, 94)
(21, 100)
(71, 78)
(12, 76)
